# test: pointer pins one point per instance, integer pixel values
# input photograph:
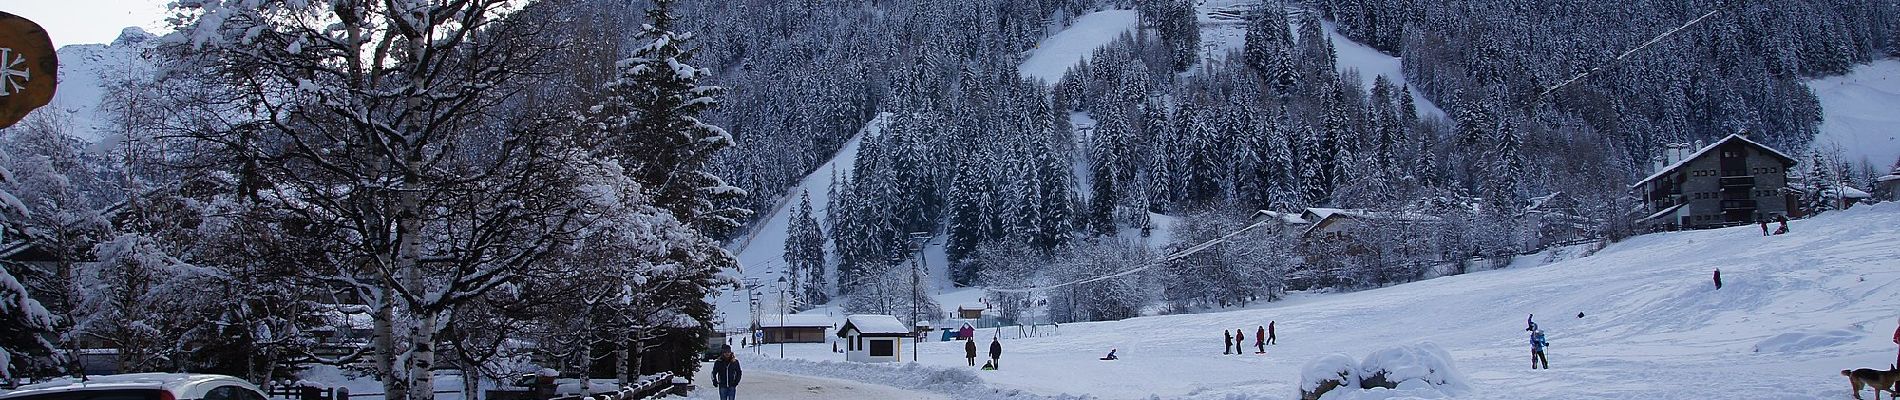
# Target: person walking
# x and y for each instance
(1228, 342)
(1538, 343)
(1718, 279)
(725, 376)
(1764, 227)
(1272, 338)
(996, 352)
(1896, 340)
(969, 350)
(1260, 340)
(1240, 341)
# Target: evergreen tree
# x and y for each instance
(1269, 49)
(805, 253)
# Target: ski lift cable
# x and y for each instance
(1619, 58)
(1183, 253)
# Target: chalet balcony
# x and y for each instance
(1734, 205)
(1738, 181)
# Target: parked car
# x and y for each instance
(148, 386)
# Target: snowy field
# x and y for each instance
(1857, 113)
(1795, 310)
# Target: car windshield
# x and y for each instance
(116, 394)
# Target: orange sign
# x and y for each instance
(29, 68)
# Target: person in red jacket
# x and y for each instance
(1896, 340)
(1260, 340)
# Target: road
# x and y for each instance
(760, 384)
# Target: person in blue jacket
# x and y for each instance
(1538, 343)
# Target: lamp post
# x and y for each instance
(781, 315)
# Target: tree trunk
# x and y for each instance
(422, 357)
(393, 384)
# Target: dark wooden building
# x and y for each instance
(1731, 182)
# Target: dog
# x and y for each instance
(1876, 379)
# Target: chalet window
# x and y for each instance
(883, 348)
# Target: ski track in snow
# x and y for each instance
(1795, 310)
(763, 384)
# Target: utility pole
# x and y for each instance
(917, 240)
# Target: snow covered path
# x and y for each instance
(763, 384)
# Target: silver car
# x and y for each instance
(147, 386)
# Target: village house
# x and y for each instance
(1733, 181)
(872, 338)
(1889, 185)
(792, 328)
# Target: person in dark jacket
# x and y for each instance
(1227, 343)
(969, 350)
(725, 376)
(1271, 337)
(1718, 279)
(996, 352)
(1240, 341)
(1260, 340)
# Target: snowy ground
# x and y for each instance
(1796, 309)
(1857, 112)
(761, 384)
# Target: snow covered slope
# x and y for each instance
(1795, 310)
(1056, 54)
(1857, 112)
(85, 70)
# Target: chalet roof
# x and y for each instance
(1665, 211)
(874, 325)
(1850, 192)
(1285, 218)
(794, 321)
(1889, 177)
(972, 307)
(1318, 216)
(1704, 151)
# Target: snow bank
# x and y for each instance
(962, 383)
(1804, 341)
(1419, 371)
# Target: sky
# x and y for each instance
(89, 21)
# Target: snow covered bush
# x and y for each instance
(1421, 370)
(1327, 373)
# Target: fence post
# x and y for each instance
(340, 393)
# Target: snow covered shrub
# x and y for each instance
(1424, 362)
(1326, 373)
(1421, 370)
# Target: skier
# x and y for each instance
(726, 375)
(969, 350)
(996, 353)
(1538, 343)
(1260, 340)
(1240, 341)
(1111, 356)
(1228, 343)
(1783, 219)
(1764, 227)
(1718, 279)
(1271, 337)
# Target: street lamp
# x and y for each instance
(781, 315)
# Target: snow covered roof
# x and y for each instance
(1849, 192)
(1705, 150)
(1888, 177)
(972, 307)
(794, 321)
(152, 380)
(1665, 211)
(1286, 218)
(874, 325)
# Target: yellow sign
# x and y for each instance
(29, 68)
